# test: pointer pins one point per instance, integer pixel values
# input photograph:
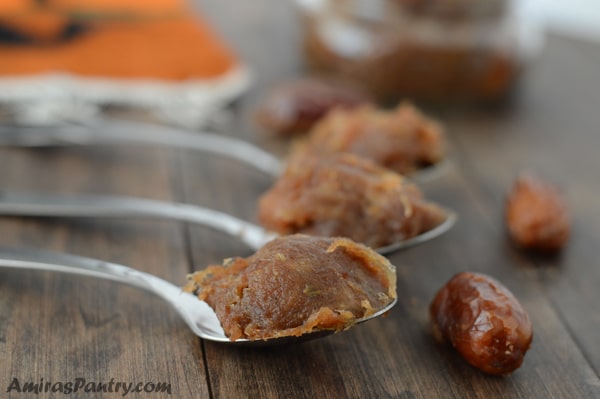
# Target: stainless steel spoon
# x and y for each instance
(197, 314)
(81, 205)
(104, 131)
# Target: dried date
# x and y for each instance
(294, 107)
(484, 322)
(536, 215)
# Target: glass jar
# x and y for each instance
(435, 50)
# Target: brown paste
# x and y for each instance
(345, 195)
(296, 285)
(403, 139)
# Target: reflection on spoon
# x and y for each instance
(94, 206)
(113, 132)
(197, 314)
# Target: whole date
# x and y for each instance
(295, 106)
(536, 215)
(483, 321)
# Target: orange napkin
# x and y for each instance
(116, 49)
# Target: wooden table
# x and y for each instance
(60, 328)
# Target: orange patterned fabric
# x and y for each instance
(137, 7)
(39, 25)
(107, 7)
(156, 39)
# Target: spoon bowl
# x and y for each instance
(102, 206)
(197, 314)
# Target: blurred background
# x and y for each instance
(580, 18)
(179, 62)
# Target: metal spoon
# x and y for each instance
(80, 205)
(113, 132)
(197, 314)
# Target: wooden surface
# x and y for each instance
(59, 327)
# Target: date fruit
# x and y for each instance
(294, 106)
(536, 215)
(483, 321)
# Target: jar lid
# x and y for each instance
(454, 9)
(376, 10)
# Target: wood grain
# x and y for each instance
(59, 327)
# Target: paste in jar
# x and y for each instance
(425, 50)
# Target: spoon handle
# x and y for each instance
(106, 132)
(98, 206)
(23, 258)
(197, 314)
(110, 132)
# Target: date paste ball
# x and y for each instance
(345, 195)
(296, 285)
